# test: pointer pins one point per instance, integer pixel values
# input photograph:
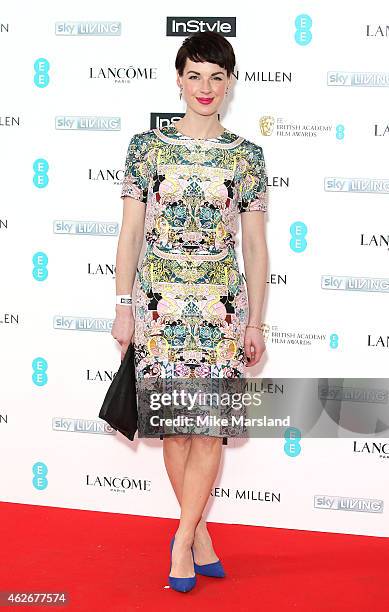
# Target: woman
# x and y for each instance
(184, 187)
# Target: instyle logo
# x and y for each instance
(88, 28)
(86, 228)
(357, 79)
(356, 185)
(123, 74)
(354, 283)
(350, 504)
(181, 26)
(119, 483)
(69, 323)
(378, 449)
(89, 426)
(85, 123)
(158, 120)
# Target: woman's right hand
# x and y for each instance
(123, 328)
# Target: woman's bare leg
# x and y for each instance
(175, 453)
(192, 473)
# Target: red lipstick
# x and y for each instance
(204, 100)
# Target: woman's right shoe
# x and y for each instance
(214, 570)
(180, 584)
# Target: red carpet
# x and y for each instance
(114, 562)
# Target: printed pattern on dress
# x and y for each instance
(191, 300)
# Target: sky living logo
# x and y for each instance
(86, 228)
(88, 123)
(91, 324)
(338, 78)
(88, 28)
(74, 425)
(181, 26)
(354, 283)
(349, 504)
(356, 185)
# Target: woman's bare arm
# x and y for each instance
(255, 256)
(127, 256)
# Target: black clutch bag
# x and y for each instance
(119, 407)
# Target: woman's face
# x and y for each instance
(203, 86)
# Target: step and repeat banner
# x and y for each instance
(311, 87)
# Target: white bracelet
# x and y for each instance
(125, 300)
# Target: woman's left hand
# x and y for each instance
(254, 346)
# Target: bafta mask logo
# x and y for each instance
(266, 125)
(265, 328)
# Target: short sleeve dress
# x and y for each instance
(191, 300)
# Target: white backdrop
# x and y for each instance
(314, 96)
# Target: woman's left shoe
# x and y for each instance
(180, 584)
(214, 570)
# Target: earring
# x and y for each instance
(226, 92)
(180, 93)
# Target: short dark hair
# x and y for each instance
(206, 47)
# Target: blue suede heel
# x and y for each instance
(214, 570)
(180, 584)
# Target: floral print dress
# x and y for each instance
(191, 302)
